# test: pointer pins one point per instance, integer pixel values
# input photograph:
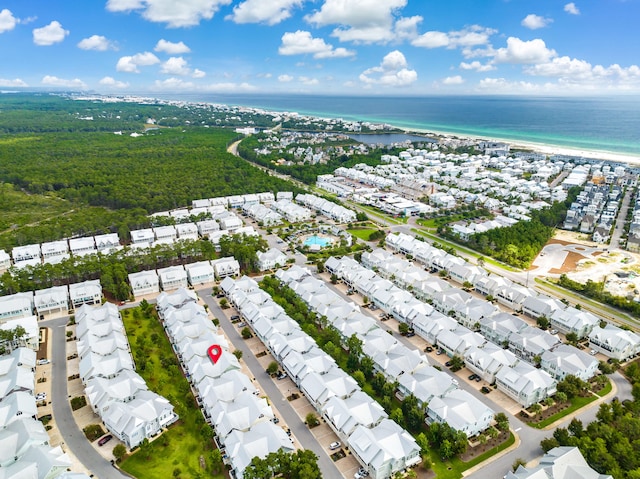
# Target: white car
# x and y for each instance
(335, 445)
(593, 352)
(43, 361)
(41, 397)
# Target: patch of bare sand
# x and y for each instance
(570, 263)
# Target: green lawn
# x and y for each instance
(362, 233)
(182, 446)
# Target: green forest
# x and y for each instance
(93, 181)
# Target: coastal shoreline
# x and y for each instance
(546, 149)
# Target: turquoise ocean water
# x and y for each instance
(610, 124)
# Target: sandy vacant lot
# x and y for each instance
(581, 259)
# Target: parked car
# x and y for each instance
(43, 361)
(282, 375)
(235, 317)
(361, 473)
(41, 397)
(485, 390)
(428, 349)
(105, 440)
(593, 352)
(472, 377)
(335, 445)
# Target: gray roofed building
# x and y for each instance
(460, 410)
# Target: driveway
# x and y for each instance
(74, 438)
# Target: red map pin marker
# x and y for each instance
(214, 353)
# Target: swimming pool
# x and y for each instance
(317, 241)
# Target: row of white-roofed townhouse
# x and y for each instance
(57, 299)
(262, 214)
(24, 443)
(410, 368)
(236, 201)
(563, 318)
(327, 208)
(242, 420)
(502, 329)
(116, 392)
(292, 212)
(350, 412)
(175, 277)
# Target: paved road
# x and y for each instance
(298, 428)
(620, 220)
(74, 438)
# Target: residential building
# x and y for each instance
(525, 384)
(566, 360)
(88, 292)
(271, 259)
(55, 252)
(82, 246)
(172, 277)
(51, 300)
(199, 273)
(144, 282)
(107, 243)
(226, 267)
(28, 255)
(460, 410)
(614, 342)
(18, 305)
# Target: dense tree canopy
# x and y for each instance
(63, 171)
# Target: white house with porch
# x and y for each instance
(51, 300)
(172, 277)
(144, 282)
(462, 411)
(87, 292)
(200, 272)
(82, 246)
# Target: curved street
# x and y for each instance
(75, 440)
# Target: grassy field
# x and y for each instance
(362, 233)
(180, 451)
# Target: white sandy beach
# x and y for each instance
(632, 160)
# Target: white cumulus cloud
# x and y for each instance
(130, 64)
(301, 43)
(285, 78)
(392, 71)
(196, 73)
(454, 80)
(113, 83)
(524, 52)
(7, 20)
(260, 11)
(175, 66)
(470, 37)
(534, 22)
(16, 82)
(75, 84)
(49, 34)
(477, 66)
(171, 48)
(406, 28)
(571, 9)
(360, 21)
(176, 14)
(308, 80)
(96, 42)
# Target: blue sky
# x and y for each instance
(389, 47)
